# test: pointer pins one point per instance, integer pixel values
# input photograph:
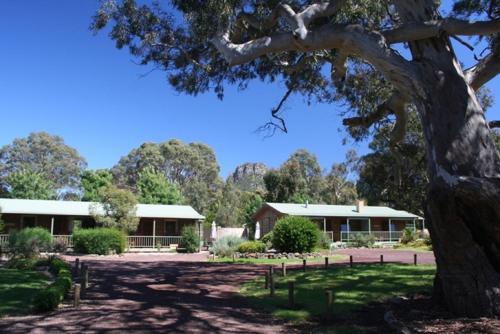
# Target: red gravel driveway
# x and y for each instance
(152, 293)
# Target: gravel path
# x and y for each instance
(158, 293)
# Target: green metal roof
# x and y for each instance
(73, 208)
(348, 211)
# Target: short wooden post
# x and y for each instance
(291, 294)
(381, 259)
(76, 301)
(234, 257)
(326, 262)
(350, 260)
(271, 281)
(283, 268)
(304, 264)
(415, 259)
(266, 282)
(85, 277)
(77, 267)
(328, 303)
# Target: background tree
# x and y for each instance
(28, 184)
(299, 179)
(153, 188)
(43, 153)
(395, 177)
(93, 181)
(229, 206)
(339, 188)
(351, 51)
(193, 168)
(117, 209)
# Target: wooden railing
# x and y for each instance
(66, 239)
(4, 240)
(380, 236)
(140, 241)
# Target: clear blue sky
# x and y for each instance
(56, 76)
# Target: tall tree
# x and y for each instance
(43, 153)
(350, 50)
(153, 188)
(93, 181)
(299, 179)
(117, 209)
(339, 186)
(28, 184)
(192, 167)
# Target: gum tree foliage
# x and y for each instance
(297, 180)
(153, 188)
(348, 51)
(339, 187)
(117, 209)
(28, 184)
(43, 153)
(93, 181)
(192, 168)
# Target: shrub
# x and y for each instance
(226, 246)
(99, 241)
(59, 246)
(408, 235)
(268, 237)
(361, 240)
(252, 247)
(324, 241)
(48, 299)
(29, 242)
(295, 234)
(190, 239)
(21, 263)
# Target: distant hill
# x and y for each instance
(249, 177)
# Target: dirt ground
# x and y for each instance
(181, 293)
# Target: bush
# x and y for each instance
(226, 246)
(409, 235)
(361, 240)
(99, 241)
(324, 241)
(21, 263)
(295, 234)
(48, 299)
(268, 237)
(190, 239)
(29, 242)
(59, 246)
(252, 247)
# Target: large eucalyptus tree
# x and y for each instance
(351, 50)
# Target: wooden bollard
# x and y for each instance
(77, 267)
(328, 303)
(76, 301)
(381, 259)
(234, 258)
(350, 260)
(326, 262)
(304, 264)
(291, 294)
(415, 259)
(283, 269)
(271, 283)
(266, 280)
(85, 277)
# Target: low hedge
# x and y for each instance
(252, 247)
(100, 241)
(29, 242)
(49, 298)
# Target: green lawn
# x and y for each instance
(353, 288)
(319, 260)
(17, 288)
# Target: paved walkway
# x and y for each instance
(150, 293)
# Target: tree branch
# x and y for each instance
(485, 70)
(450, 26)
(494, 124)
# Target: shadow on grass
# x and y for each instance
(352, 287)
(17, 288)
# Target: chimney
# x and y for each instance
(360, 204)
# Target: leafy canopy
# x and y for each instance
(93, 181)
(153, 188)
(29, 184)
